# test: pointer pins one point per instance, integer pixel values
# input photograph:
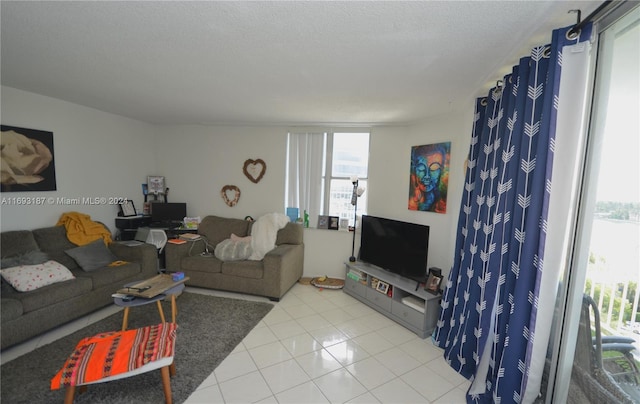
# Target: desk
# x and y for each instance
(128, 226)
(175, 233)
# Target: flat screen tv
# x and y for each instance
(168, 214)
(395, 246)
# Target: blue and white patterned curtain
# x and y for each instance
(489, 307)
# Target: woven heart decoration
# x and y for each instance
(230, 195)
(254, 170)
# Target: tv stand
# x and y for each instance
(406, 304)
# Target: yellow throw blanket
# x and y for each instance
(82, 230)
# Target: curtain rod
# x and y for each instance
(589, 18)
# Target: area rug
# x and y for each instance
(209, 328)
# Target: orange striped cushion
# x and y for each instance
(113, 353)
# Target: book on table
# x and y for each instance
(152, 287)
(190, 236)
(176, 241)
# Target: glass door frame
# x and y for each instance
(572, 282)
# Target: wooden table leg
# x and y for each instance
(161, 311)
(166, 384)
(174, 309)
(69, 394)
(125, 319)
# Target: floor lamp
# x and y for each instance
(357, 192)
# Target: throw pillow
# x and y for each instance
(238, 238)
(31, 258)
(230, 250)
(92, 256)
(25, 278)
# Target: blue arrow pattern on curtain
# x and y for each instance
(489, 306)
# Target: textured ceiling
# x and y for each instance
(176, 62)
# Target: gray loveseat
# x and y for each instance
(271, 277)
(26, 314)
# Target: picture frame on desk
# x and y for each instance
(382, 287)
(334, 223)
(433, 283)
(127, 208)
(323, 222)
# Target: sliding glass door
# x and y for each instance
(595, 355)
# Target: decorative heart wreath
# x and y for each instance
(230, 189)
(254, 169)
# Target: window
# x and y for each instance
(320, 165)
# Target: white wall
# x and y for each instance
(389, 163)
(198, 161)
(96, 155)
(100, 154)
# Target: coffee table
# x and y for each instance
(171, 289)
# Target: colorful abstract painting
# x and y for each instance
(429, 177)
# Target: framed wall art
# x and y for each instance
(429, 177)
(155, 184)
(28, 162)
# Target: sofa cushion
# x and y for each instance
(233, 250)
(92, 256)
(292, 233)
(11, 309)
(202, 264)
(25, 278)
(53, 240)
(17, 242)
(52, 294)
(215, 228)
(109, 275)
(238, 238)
(244, 269)
(34, 257)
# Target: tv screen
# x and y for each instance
(168, 213)
(395, 246)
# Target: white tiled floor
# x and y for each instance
(317, 346)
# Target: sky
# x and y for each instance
(619, 178)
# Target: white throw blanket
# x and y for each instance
(264, 233)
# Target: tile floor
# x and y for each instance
(316, 346)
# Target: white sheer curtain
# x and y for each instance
(305, 154)
(568, 151)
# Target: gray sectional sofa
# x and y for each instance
(271, 277)
(26, 314)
